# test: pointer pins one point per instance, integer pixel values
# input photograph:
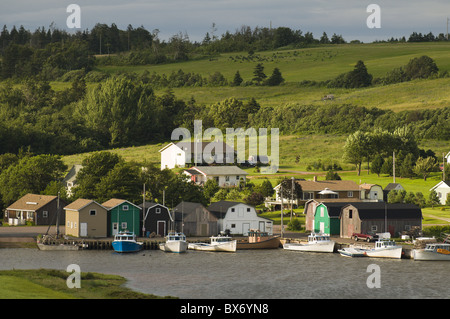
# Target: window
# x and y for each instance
(350, 213)
(125, 207)
(374, 228)
(227, 178)
(158, 210)
(248, 209)
(232, 210)
(124, 225)
(75, 225)
(68, 223)
(349, 194)
(45, 214)
(233, 225)
(92, 212)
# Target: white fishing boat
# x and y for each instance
(316, 243)
(433, 251)
(175, 243)
(352, 252)
(218, 243)
(385, 248)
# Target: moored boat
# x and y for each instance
(125, 242)
(218, 243)
(433, 251)
(320, 243)
(175, 243)
(259, 240)
(61, 247)
(385, 248)
(352, 252)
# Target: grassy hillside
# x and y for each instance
(315, 64)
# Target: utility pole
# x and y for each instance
(447, 27)
(393, 165)
(443, 167)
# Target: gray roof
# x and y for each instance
(380, 210)
(221, 170)
(392, 186)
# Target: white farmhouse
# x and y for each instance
(182, 153)
(442, 190)
(371, 192)
(225, 176)
(238, 218)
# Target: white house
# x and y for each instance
(70, 180)
(182, 153)
(225, 176)
(371, 192)
(239, 218)
(448, 157)
(443, 191)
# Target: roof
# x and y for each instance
(220, 170)
(151, 204)
(188, 206)
(80, 204)
(317, 186)
(72, 174)
(392, 186)
(31, 202)
(116, 202)
(447, 183)
(222, 206)
(200, 146)
(368, 186)
(381, 210)
(334, 208)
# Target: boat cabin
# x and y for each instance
(384, 243)
(125, 236)
(220, 239)
(176, 237)
(440, 248)
(256, 236)
(318, 237)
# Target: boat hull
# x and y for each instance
(352, 252)
(174, 246)
(395, 252)
(421, 254)
(220, 247)
(320, 247)
(272, 243)
(126, 246)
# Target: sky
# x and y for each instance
(195, 17)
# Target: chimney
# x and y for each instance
(315, 178)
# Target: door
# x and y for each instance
(262, 226)
(322, 227)
(115, 228)
(204, 229)
(83, 229)
(245, 228)
(161, 228)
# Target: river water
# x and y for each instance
(256, 274)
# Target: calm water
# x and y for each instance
(270, 274)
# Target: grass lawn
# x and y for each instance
(51, 284)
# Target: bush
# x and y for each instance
(294, 225)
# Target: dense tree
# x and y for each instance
(424, 166)
(276, 78)
(377, 165)
(355, 149)
(237, 80)
(258, 73)
(30, 175)
(421, 68)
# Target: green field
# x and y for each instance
(316, 64)
(51, 284)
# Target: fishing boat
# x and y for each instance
(259, 240)
(385, 248)
(218, 243)
(352, 252)
(433, 251)
(317, 242)
(125, 242)
(175, 243)
(61, 247)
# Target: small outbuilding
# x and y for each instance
(86, 218)
(123, 216)
(157, 219)
(196, 220)
(378, 217)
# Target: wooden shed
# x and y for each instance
(86, 218)
(157, 219)
(196, 220)
(378, 217)
(123, 215)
